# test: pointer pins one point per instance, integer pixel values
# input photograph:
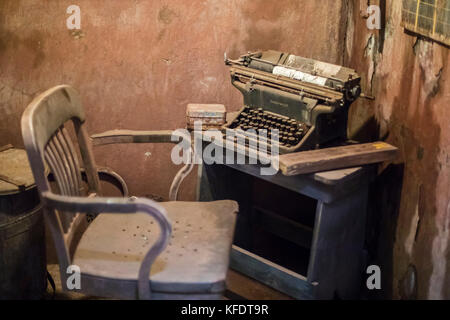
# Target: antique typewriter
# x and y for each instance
(306, 100)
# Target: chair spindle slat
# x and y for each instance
(76, 164)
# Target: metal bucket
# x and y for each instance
(23, 272)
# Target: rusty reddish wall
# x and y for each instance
(410, 80)
(137, 63)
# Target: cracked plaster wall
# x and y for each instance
(409, 78)
(138, 63)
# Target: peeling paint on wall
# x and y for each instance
(409, 79)
(140, 62)
(440, 263)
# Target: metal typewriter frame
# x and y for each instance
(328, 116)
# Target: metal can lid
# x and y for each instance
(15, 171)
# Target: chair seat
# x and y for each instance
(195, 261)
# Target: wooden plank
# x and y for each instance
(271, 274)
(241, 287)
(336, 158)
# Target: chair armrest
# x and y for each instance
(109, 175)
(160, 136)
(132, 136)
(121, 205)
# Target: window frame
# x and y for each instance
(441, 9)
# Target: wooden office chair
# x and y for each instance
(134, 247)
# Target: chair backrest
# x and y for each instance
(49, 145)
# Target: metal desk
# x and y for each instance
(336, 241)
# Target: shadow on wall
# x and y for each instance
(368, 132)
(383, 211)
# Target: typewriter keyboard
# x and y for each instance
(291, 131)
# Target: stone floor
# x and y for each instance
(239, 287)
